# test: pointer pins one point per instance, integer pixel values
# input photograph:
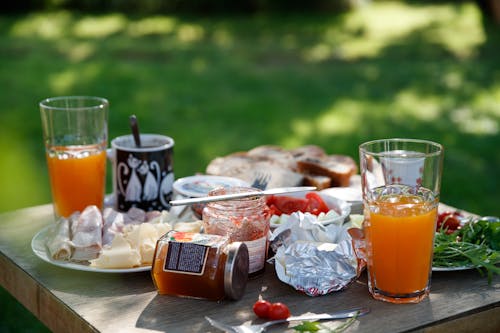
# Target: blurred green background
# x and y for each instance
(223, 81)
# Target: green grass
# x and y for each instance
(224, 84)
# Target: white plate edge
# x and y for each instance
(452, 269)
(40, 250)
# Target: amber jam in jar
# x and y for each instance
(200, 266)
(242, 220)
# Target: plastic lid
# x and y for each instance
(236, 270)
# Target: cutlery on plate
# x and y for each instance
(278, 190)
(261, 180)
(262, 327)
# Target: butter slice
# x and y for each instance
(119, 255)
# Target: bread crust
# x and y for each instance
(306, 165)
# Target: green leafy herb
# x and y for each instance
(345, 325)
(314, 326)
(469, 247)
(482, 232)
(307, 326)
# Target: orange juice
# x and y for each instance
(77, 177)
(400, 233)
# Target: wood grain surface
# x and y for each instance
(76, 301)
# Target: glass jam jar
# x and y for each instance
(242, 220)
(200, 266)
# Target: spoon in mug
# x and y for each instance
(135, 130)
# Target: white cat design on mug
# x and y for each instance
(143, 176)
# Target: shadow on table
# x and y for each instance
(176, 314)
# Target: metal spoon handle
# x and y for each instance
(134, 126)
(336, 315)
(324, 316)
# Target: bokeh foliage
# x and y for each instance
(228, 83)
(223, 83)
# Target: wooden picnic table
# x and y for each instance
(69, 300)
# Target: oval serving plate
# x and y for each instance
(199, 185)
(40, 250)
(452, 269)
(463, 221)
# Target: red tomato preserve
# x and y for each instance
(200, 266)
(242, 220)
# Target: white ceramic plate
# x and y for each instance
(40, 250)
(351, 195)
(199, 185)
(451, 269)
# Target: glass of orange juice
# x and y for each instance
(75, 132)
(401, 179)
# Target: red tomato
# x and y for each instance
(288, 205)
(278, 311)
(452, 222)
(316, 204)
(449, 221)
(270, 200)
(273, 210)
(261, 308)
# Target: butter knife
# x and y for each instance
(223, 197)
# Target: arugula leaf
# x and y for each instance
(307, 326)
(474, 245)
(482, 231)
(314, 326)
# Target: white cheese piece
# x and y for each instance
(143, 237)
(188, 226)
(119, 255)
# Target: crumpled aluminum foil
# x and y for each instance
(314, 258)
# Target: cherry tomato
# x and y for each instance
(270, 200)
(288, 205)
(278, 311)
(273, 210)
(449, 221)
(282, 204)
(261, 308)
(315, 204)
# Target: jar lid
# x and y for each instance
(236, 270)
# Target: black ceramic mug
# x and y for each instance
(142, 176)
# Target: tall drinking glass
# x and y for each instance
(401, 179)
(75, 132)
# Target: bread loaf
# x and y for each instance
(309, 151)
(278, 173)
(306, 165)
(339, 168)
(321, 182)
(276, 154)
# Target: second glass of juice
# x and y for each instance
(75, 130)
(401, 181)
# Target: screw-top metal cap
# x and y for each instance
(236, 270)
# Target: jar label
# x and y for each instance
(186, 258)
(256, 254)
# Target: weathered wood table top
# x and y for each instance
(76, 301)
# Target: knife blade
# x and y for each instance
(231, 196)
